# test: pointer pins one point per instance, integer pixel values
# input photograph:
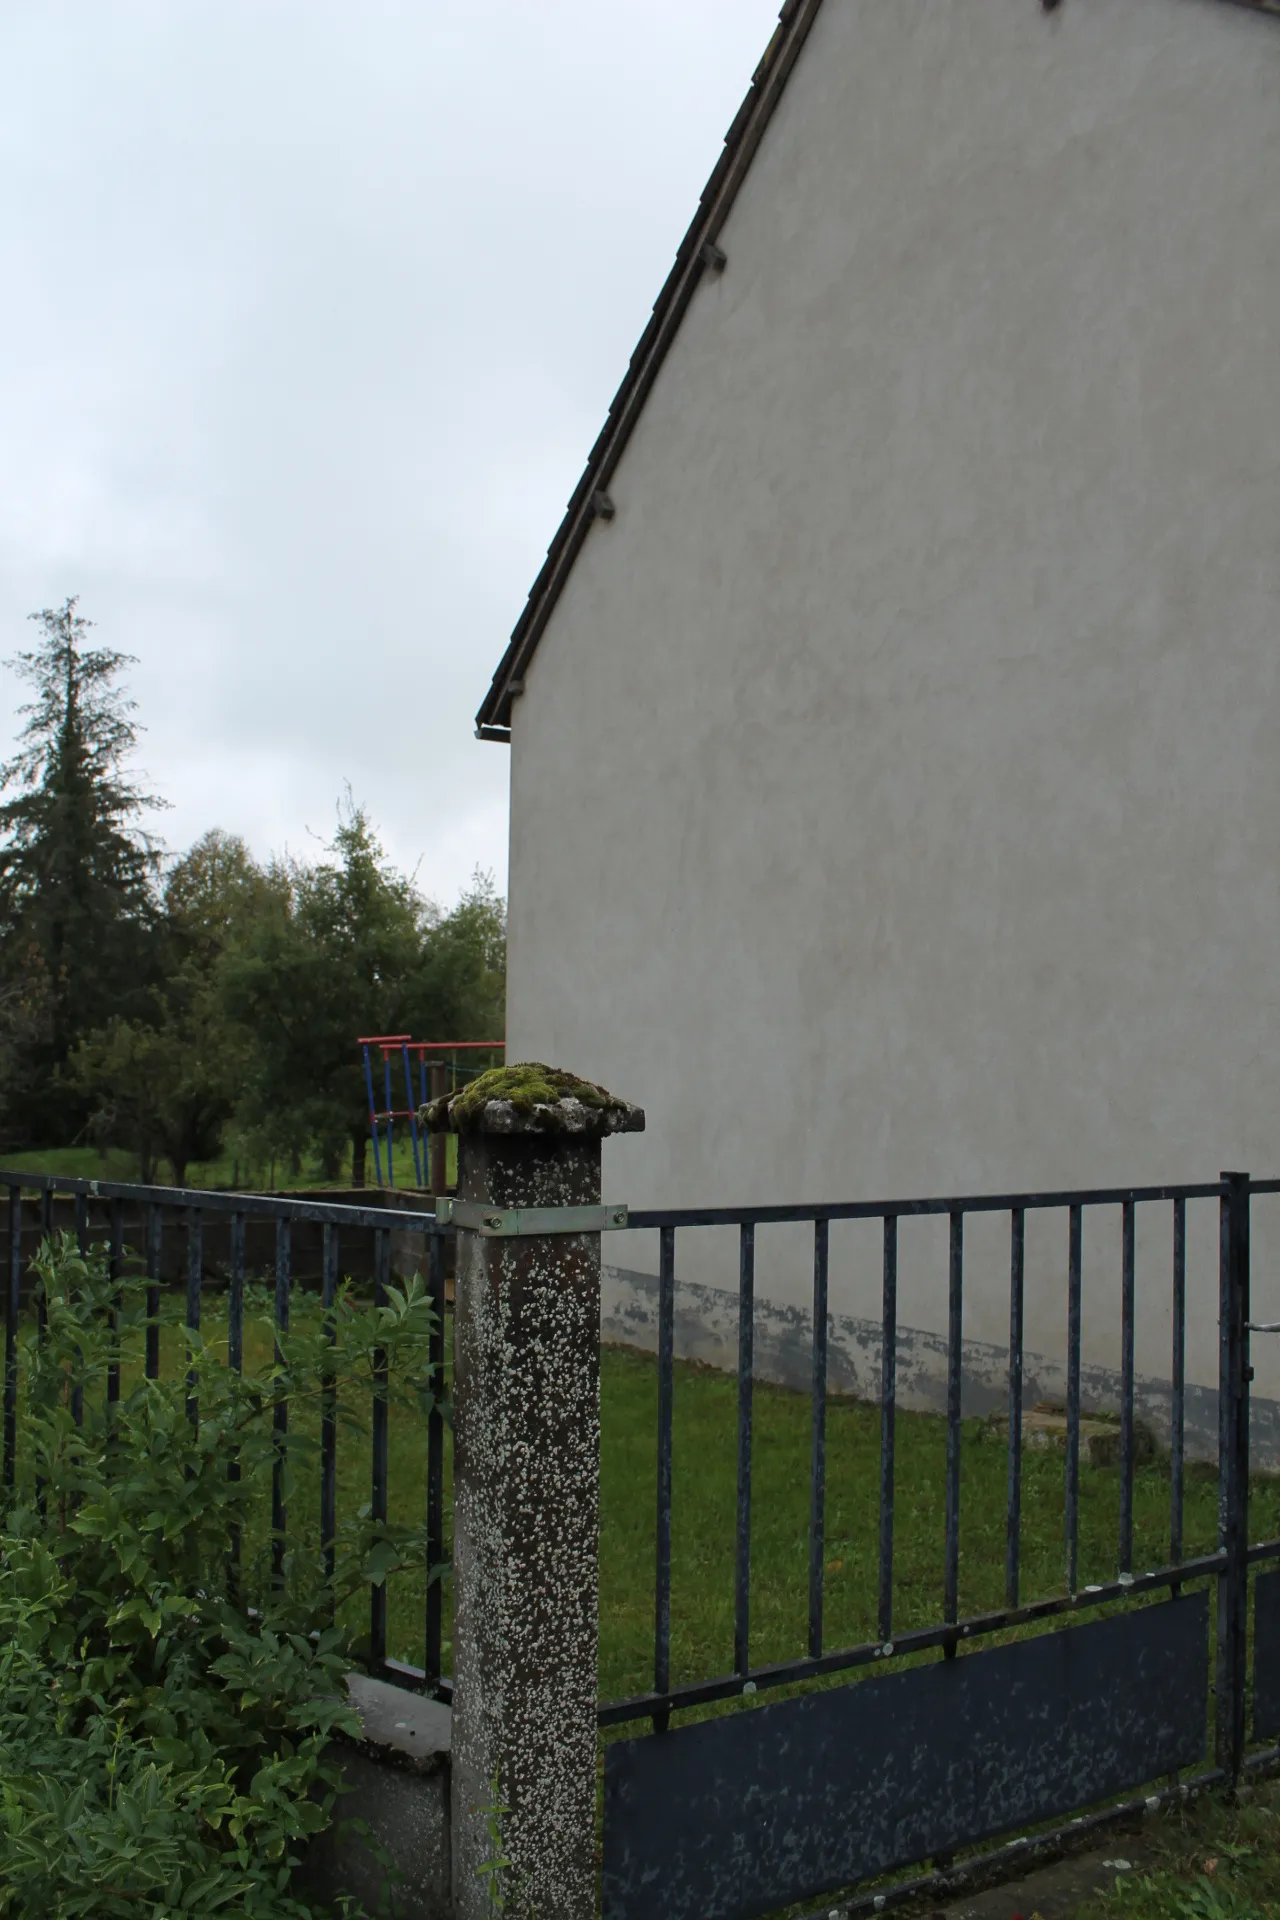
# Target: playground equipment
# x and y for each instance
(434, 1078)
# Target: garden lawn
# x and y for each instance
(703, 1517)
(1212, 1860)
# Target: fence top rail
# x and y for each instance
(271, 1206)
(901, 1209)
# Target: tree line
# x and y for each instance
(180, 1008)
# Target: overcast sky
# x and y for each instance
(310, 315)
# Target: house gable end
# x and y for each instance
(699, 252)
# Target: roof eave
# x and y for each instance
(694, 257)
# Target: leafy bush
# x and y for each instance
(162, 1739)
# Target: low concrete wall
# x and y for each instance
(397, 1781)
(706, 1330)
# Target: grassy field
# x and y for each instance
(88, 1163)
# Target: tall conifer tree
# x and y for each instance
(77, 873)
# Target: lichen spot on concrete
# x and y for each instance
(528, 1097)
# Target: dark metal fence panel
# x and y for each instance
(952, 1627)
(740, 1816)
(658, 1768)
(1266, 1657)
(179, 1237)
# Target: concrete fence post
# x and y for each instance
(526, 1467)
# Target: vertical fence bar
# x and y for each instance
(115, 1268)
(955, 1356)
(279, 1508)
(888, 1411)
(82, 1248)
(1177, 1434)
(666, 1398)
(378, 1591)
(1013, 1520)
(195, 1279)
(746, 1363)
(13, 1309)
(435, 1462)
(1075, 1241)
(818, 1436)
(1233, 1470)
(235, 1297)
(46, 1232)
(155, 1254)
(1126, 1386)
(42, 1310)
(235, 1360)
(328, 1409)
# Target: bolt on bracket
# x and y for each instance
(510, 1223)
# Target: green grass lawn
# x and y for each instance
(1212, 1860)
(703, 1516)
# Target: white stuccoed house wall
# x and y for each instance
(895, 799)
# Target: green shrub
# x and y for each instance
(163, 1718)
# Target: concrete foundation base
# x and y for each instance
(398, 1780)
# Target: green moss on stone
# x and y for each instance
(525, 1086)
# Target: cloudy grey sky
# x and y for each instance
(310, 314)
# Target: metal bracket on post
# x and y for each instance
(509, 1223)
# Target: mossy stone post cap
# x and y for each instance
(530, 1098)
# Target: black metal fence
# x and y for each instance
(740, 1814)
(192, 1238)
(706, 1788)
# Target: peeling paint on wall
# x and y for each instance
(706, 1330)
